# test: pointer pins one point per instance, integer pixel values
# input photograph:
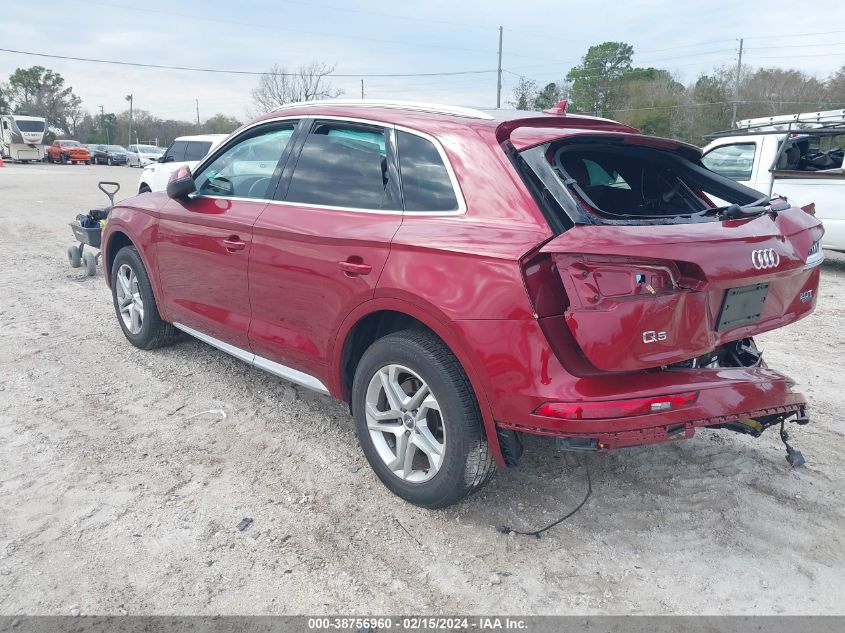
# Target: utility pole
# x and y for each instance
(499, 80)
(131, 103)
(736, 88)
(362, 88)
(198, 114)
(103, 123)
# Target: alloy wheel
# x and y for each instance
(405, 423)
(129, 299)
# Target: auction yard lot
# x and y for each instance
(122, 483)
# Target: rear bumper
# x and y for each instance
(611, 440)
(522, 374)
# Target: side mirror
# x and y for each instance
(181, 184)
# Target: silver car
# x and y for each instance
(143, 155)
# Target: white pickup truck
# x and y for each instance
(799, 156)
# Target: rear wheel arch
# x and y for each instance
(363, 328)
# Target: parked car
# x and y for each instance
(108, 154)
(463, 278)
(185, 150)
(67, 151)
(142, 155)
(798, 156)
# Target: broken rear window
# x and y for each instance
(621, 179)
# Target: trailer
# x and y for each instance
(22, 137)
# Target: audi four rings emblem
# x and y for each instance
(766, 258)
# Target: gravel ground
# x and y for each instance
(123, 476)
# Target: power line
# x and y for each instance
(727, 103)
(707, 61)
(769, 37)
(242, 72)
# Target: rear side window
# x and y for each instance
(196, 150)
(343, 165)
(176, 152)
(732, 161)
(426, 185)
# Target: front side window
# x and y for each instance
(196, 150)
(245, 170)
(176, 152)
(426, 185)
(732, 161)
(343, 165)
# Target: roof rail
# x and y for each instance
(415, 106)
(808, 119)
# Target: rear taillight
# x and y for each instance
(616, 408)
(601, 282)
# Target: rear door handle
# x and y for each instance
(353, 268)
(233, 243)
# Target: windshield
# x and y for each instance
(149, 149)
(29, 126)
(69, 143)
(115, 148)
(592, 180)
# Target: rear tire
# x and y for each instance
(135, 304)
(450, 456)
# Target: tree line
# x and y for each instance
(39, 91)
(607, 84)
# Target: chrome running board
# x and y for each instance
(288, 373)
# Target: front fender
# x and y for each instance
(137, 219)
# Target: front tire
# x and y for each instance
(135, 304)
(418, 421)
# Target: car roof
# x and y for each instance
(433, 117)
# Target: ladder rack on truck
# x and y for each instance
(825, 121)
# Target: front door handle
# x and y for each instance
(354, 266)
(233, 243)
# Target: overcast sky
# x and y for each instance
(542, 40)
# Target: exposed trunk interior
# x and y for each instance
(628, 179)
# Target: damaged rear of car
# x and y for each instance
(658, 277)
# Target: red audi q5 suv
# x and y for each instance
(462, 278)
